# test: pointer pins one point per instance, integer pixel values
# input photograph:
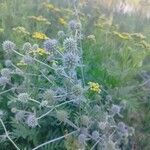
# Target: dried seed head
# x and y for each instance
(95, 135)
(62, 116)
(3, 81)
(85, 120)
(49, 96)
(23, 97)
(5, 72)
(77, 90)
(8, 63)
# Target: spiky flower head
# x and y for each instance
(8, 63)
(27, 59)
(70, 45)
(49, 96)
(61, 34)
(27, 47)
(115, 109)
(50, 45)
(23, 97)
(4, 81)
(74, 25)
(85, 120)
(62, 115)
(77, 90)
(102, 125)
(32, 121)
(20, 115)
(8, 46)
(82, 138)
(5, 72)
(95, 135)
(70, 61)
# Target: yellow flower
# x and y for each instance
(39, 19)
(95, 87)
(138, 36)
(57, 9)
(92, 38)
(41, 51)
(21, 30)
(39, 35)
(49, 6)
(62, 21)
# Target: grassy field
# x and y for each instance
(74, 74)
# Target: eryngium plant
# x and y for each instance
(48, 105)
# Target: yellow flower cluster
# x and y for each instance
(91, 37)
(39, 35)
(48, 6)
(138, 36)
(51, 7)
(41, 51)
(39, 19)
(21, 30)
(62, 21)
(95, 87)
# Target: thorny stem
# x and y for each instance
(6, 91)
(54, 108)
(92, 148)
(80, 43)
(54, 140)
(35, 60)
(7, 135)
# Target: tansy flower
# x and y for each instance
(95, 87)
(39, 19)
(62, 21)
(41, 51)
(92, 38)
(49, 6)
(39, 35)
(21, 30)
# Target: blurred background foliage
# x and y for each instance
(116, 46)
